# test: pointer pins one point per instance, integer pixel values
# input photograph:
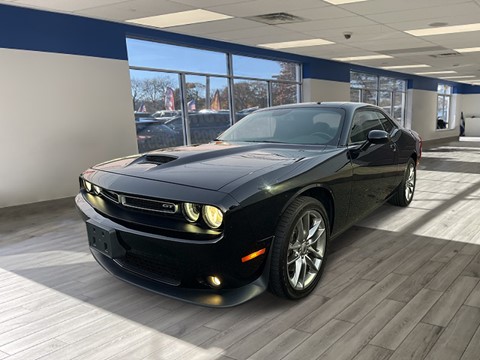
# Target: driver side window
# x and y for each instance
(363, 123)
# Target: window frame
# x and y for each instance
(444, 92)
(379, 89)
(230, 76)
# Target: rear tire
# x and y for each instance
(404, 194)
(299, 249)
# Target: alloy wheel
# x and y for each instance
(410, 182)
(306, 249)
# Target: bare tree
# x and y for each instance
(283, 93)
(150, 92)
(249, 94)
(136, 86)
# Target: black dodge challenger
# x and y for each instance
(218, 224)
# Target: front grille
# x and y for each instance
(111, 195)
(148, 204)
(140, 203)
(150, 267)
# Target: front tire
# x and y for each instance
(404, 194)
(299, 249)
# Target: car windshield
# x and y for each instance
(302, 125)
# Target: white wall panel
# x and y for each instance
(422, 115)
(325, 90)
(471, 111)
(59, 114)
(471, 105)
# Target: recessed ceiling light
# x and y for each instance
(180, 18)
(341, 2)
(436, 72)
(405, 66)
(467, 50)
(458, 77)
(366, 57)
(445, 30)
(297, 43)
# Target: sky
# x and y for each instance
(170, 57)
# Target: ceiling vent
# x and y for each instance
(276, 18)
(445, 55)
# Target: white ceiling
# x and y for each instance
(377, 26)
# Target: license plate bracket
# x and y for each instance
(104, 240)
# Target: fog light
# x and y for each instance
(97, 189)
(214, 281)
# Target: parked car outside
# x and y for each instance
(153, 134)
(166, 114)
(204, 127)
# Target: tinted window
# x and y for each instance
(315, 126)
(363, 123)
(387, 124)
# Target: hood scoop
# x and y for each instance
(158, 159)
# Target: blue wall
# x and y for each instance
(36, 30)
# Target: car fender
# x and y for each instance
(301, 191)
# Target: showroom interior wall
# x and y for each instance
(422, 114)
(325, 80)
(64, 105)
(325, 90)
(60, 114)
(65, 101)
(471, 105)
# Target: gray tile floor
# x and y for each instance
(402, 284)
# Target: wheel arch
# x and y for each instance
(414, 157)
(320, 193)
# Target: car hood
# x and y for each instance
(209, 166)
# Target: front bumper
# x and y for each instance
(111, 248)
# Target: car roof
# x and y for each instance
(347, 105)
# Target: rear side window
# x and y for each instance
(387, 124)
(363, 123)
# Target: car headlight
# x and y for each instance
(191, 211)
(213, 216)
(88, 185)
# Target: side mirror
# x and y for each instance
(378, 137)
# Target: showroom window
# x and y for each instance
(385, 92)
(184, 95)
(444, 104)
